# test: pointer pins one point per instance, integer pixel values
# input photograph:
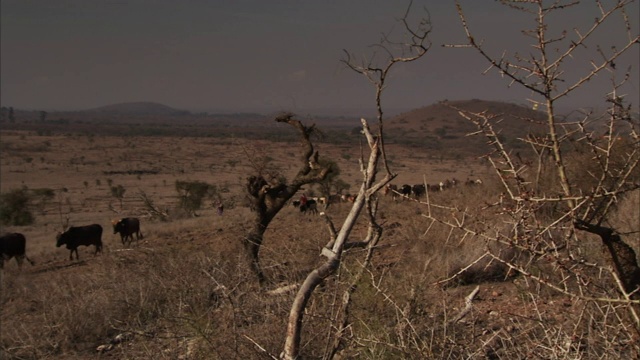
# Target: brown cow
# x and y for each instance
(393, 190)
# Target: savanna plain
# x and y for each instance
(185, 291)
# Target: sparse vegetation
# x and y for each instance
(14, 207)
(192, 194)
(498, 269)
(117, 192)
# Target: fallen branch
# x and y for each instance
(468, 305)
(261, 348)
(283, 289)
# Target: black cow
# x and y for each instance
(418, 190)
(81, 235)
(13, 245)
(311, 206)
(127, 227)
(405, 190)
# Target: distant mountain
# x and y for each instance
(440, 127)
(139, 108)
(437, 129)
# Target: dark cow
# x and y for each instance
(470, 182)
(418, 190)
(433, 188)
(405, 190)
(13, 245)
(450, 183)
(311, 206)
(127, 227)
(81, 235)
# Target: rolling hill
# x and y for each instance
(440, 127)
(437, 128)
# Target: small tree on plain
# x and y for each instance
(14, 207)
(117, 192)
(192, 194)
(268, 192)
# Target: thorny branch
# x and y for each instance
(581, 199)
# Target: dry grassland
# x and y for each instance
(185, 291)
(81, 170)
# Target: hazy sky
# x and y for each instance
(258, 55)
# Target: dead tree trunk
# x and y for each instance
(268, 197)
(411, 50)
(622, 256)
(333, 254)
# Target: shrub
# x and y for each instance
(14, 207)
(118, 193)
(193, 193)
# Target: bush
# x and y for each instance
(193, 193)
(118, 193)
(14, 208)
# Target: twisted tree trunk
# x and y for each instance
(267, 198)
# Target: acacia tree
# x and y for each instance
(552, 203)
(376, 69)
(193, 193)
(268, 192)
(543, 73)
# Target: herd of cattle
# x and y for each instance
(14, 245)
(420, 190)
(405, 191)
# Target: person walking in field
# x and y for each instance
(220, 208)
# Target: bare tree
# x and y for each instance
(118, 193)
(412, 48)
(268, 192)
(150, 208)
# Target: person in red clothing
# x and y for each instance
(303, 199)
